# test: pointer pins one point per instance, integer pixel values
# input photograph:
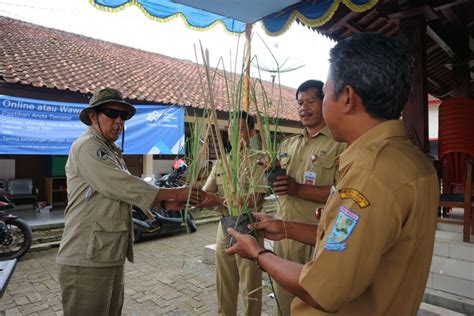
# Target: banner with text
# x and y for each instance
(39, 127)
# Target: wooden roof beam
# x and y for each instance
(340, 22)
(424, 10)
(431, 49)
(451, 4)
(440, 41)
(378, 24)
(451, 17)
(434, 83)
(388, 25)
(354, 27)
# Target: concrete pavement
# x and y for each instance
(168, 278)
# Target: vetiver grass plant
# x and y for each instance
(239, 195)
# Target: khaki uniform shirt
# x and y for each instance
(375, 239)
(250, 178)
(97, 221)
(315, 154)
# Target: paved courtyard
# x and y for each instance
(168, 278)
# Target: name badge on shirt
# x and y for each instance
(310, 177)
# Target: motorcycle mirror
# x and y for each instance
(183, 167)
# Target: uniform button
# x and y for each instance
(318, 213)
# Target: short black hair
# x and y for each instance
(378, 68)
(243, 115)
(311, 84)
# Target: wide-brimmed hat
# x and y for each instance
(101, 97)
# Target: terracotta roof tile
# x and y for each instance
(43, 57)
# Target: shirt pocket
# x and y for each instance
(324, 167)
(109, 241)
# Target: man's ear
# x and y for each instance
(352, 99)
(93, 116)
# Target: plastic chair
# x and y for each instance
(22, 189)
(459, 194)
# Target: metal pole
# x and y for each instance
(248, 39)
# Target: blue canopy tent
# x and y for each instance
(276, 16)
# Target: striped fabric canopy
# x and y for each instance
(276, 16)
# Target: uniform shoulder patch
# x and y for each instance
(102, 153)
(345, 223)
(354, 195)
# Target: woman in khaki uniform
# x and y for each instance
(98, 232)
(231, 270)
(374, 243)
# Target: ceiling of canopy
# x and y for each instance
(239, 10)
(276, 16)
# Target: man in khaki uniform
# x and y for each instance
(98, 232)
(375, 239)
(231, 269)
(310, 162)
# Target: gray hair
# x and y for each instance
(379, 69)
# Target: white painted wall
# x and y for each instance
(433, 122)
(7, 169)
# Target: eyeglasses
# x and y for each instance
(113, 113)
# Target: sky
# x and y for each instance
(298, 47)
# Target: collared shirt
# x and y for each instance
(375, 239)
(304, 153)
(248, 178)
(97, 221)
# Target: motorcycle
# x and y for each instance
(15, 234)
(166, 221)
